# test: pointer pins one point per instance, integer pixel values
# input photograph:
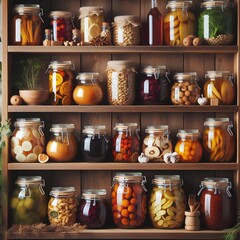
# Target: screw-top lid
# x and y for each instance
(65, 65)
(63, 192)
(23, 122)
(27, 8)
(128, 176)
(185, 76)
(62, 128)
(217, 74)
(88, 76)
(29, 180)
(213, 4)
(157, 129)
(211, 122)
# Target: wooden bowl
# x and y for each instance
(34, 97)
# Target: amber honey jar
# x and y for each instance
(129, 207)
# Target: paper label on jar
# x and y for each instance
(120, 35)
(115, 85)
(86, 208)
(118, 144)
(18, 30)
(146, 87)
(87, 144)
(54, 85)
(171, 32)
(177, 94)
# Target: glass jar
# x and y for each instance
(179, 22)
(93, 210)
(88, 91)
(28, 202)
(188, 146)
(28, 140)
(91, 19)
(216, 22)
(126, 142)
(27, 25)
(185, 90)
(126, 30)
(167, 203)
(156, 143)
(62, 25)
(63, 144)
(61, 82)
(121, 82)
(219, 85)
(218, 140)
(129, 207)
(217, 205)
(94, 144)
(62, 206)
(154, 85)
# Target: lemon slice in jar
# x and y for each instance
(43, 158)
(56, 78)
(94, 30)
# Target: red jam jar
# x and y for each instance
(217, 206)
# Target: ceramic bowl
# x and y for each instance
(34, 97)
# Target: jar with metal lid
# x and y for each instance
(126, 142)
(126, 30)
(156, 143)
(61, 82)
(218, 140)
(188, 146)
(121, 82)
(217, 204)
(28, 202)
(154, 85)
(185, 90)
(27, 25)
(216, 22)
(62, 206)
(62, 25)
(179, 22)
(63, 144)
(28, 139)
(93, 211)
(88, 90)
(219, 85)
(129, 207)
(94, 143)
(91, 19)
(167, 202)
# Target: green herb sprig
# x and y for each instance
(4, 131)
(233, 233)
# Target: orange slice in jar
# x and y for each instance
(94, 30)
(56, 79)
(67, 100)
(65, 88)
(43, 158)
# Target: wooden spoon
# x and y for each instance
(196, 206)
(191, 200)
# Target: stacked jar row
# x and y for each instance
(166, 206)
(28, 143)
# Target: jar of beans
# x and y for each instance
(185, 90)
(62, 206)
(126, 30)
(129, 207)
(126, 142)
(167, 202)
(93, 211)
(188, 145)
(121, 82)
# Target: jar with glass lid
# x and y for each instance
(179, 22)
(88, 90)
(129, 207)
(219, 85)
(185, 90)
(28, 139)
(218, 140)
(126, 142)
(156, 143)
(62, 206)
(94, 143)
(27, 25)
(63, 144)
(216, 22)
(217, 204)
(61, 82)
(28, 202)
(167, 202)
(188, 145)
(93, 211)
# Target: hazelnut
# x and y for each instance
(16, 100)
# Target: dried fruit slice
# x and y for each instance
(67, 100)
(20, 157)
(56, 78)
(152, 152)
(32, 157)
(94, 30)
(37, 149)
(35, 133)
(43, 158)
(26, 146)
(18, 150)
(65, 88)
(134, 157)
(14, 142)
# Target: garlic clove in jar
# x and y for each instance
(202, 100)
(143, 158)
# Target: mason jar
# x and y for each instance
(217, 204)
(185, 90)
(94, 143)
(27, 25)
(62, 206)
(188, 146)
(126, 142)
(179, 22)
(63, 144)
(156, 143)
(218, 140)
(28, 139)
(167, 202)
(28, 202)
(219, 85)
(129, 207)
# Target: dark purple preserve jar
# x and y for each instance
(93, 211)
